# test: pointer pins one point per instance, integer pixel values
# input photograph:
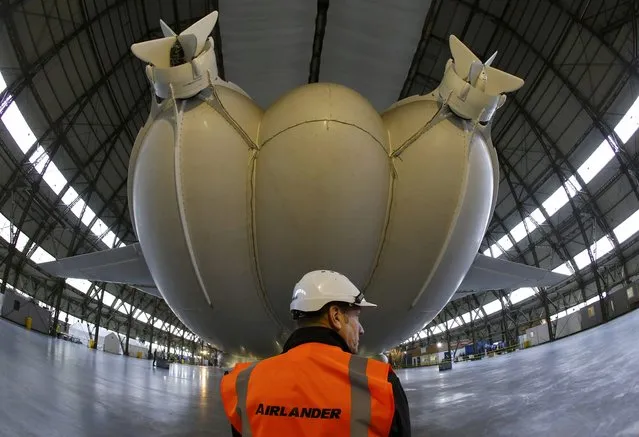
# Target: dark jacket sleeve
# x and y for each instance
(401, 419)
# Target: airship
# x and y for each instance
(232, 203)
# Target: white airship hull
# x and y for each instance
(233, 219)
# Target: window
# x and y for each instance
(591, 311)
(630, 292)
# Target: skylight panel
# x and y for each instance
(125, 308)
(80, 284)
(624, 230)
(492, 307)
(6, 228)
(521, 294)
(556, 200)
(69, 196)
(563, 269)
(596, 162)
(22, 241)
(41, 256)
(108, 299)
(629, 123)
(600, 248)
(466, 317)
(538, 216)
(504, 242)
(143, 317)
(54, 178)
(519, 231)
(18, 127)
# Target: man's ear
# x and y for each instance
(335, 317)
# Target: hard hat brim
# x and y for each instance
(364, 303)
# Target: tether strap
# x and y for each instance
(241, 388)
(360, 396)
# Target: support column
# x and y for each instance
(544, 298)
(151, 337)
(182, 352)
(128, 331)
(58, 303)
(97, 320)
(66, 318)
(472, 324)
(450, 355)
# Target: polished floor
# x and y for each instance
(584, 385)
(55, 388)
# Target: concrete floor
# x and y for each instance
(584, 385)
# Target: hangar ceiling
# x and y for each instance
(73, 99)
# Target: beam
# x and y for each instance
(29, 72)
(217, 40)
(318, 40)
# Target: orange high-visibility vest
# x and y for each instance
(312, 390)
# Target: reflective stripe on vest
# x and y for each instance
(228, 390)
(241, 388)
(360, 396)
(370, 415)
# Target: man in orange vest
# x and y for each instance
(318, 386)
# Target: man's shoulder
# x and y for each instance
(377, 366)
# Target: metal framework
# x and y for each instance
(69, 68)
(534, 161)
(88, 138)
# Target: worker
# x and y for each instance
(318, 385)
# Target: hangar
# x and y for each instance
(73, 98)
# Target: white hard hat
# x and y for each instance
(319, 287)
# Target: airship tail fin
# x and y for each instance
(488, 273)
(500, 82)
(123, 265)
(468, 66)
(463, 57)
(166, 30)
(156, 52)
(194, 37)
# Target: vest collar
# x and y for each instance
(315, 334)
